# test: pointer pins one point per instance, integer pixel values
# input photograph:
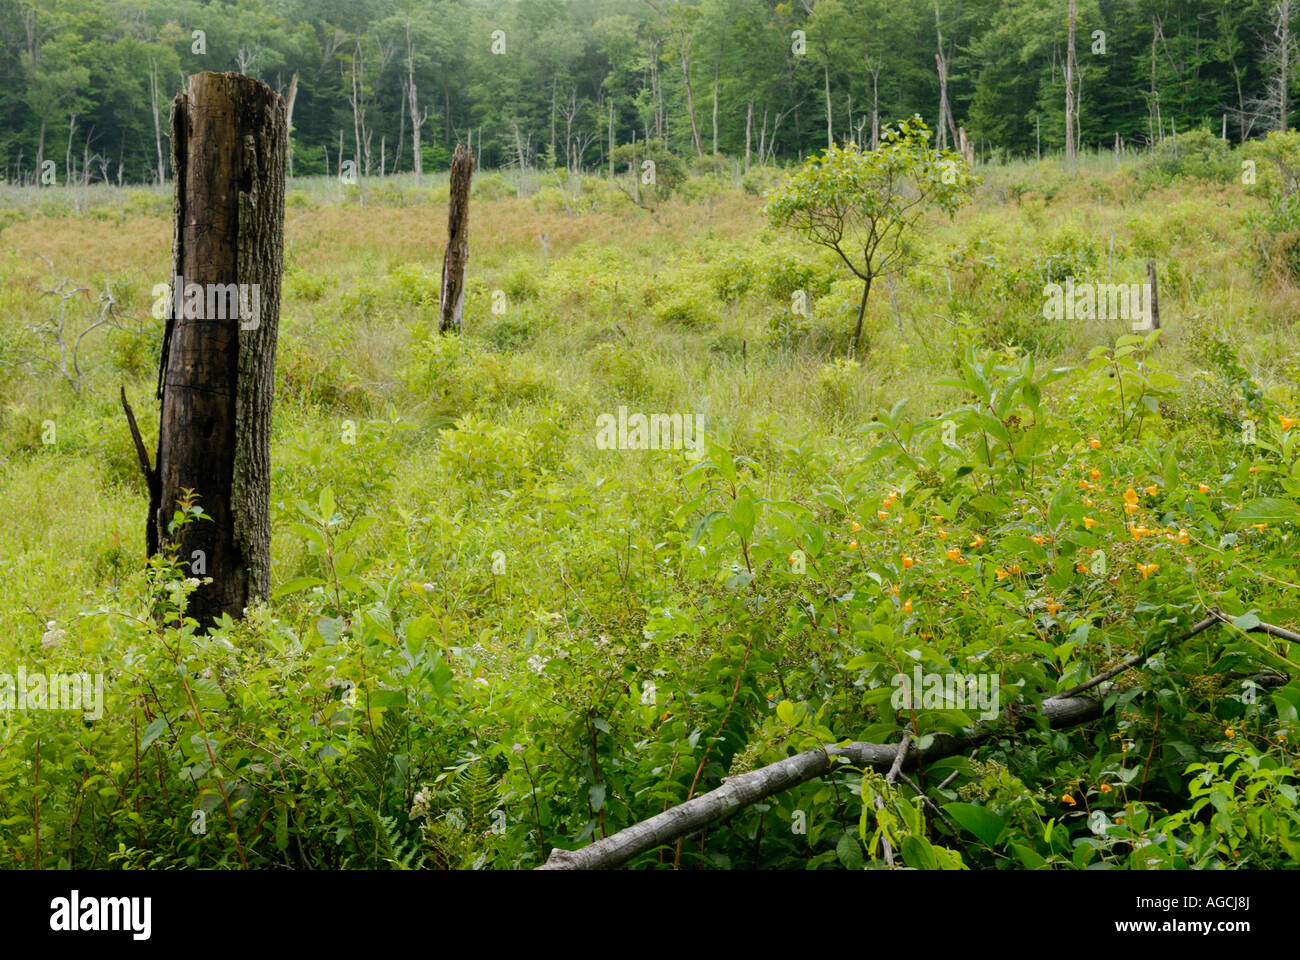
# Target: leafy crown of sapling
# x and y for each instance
(865, 204)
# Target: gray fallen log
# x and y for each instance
(1063, 710)
(748, 788)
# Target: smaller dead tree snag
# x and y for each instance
(451, 297)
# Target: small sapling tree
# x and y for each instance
(866, 205)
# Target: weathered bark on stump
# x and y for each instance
(216, 374)
(451, 298)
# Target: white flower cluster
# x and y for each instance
(420, 807)
(53, 636)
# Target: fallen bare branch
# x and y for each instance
(1062, 710)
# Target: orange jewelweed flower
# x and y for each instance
(1260, 526)
(1095, 474)
(907, 561)
(1089, 523)
(1130, 496)
(1151, 490)
(1053, 608)
(954, 554)
(856, 526)
(907, 607)
(1105, 788)
(978, 541)
(853, 544)
(1288, 423)
(1147, 569)
(1094, 443)
(1068, 799)
(1203, 488)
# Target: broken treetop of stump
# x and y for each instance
(229, 76)
(197, 84)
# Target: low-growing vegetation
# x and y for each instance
(491, 638)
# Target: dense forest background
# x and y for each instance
(553, 82)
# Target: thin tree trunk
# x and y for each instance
(216, 375)
(749, 126)
(1069, 87)
(69, 175)
(1284, 36)
(40, 149)
(401, 130)
(945, 111)
(451, 298)
(288, 118)
(715, 113)
(157, 123)
(685, 49)
(830, 134)
(875, 108)
(521, 158)
(417, 120)
(862, 311)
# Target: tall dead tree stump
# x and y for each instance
(451, 297)
(216, 375)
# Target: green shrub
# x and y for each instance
(1196, 153)
(489, 186)
(299, 284)
(689, 307)
(519, 327)
(623, 369)
(413, 283)
(520, 282)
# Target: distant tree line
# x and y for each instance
(392, 85)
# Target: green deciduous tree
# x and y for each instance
(865, 205)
